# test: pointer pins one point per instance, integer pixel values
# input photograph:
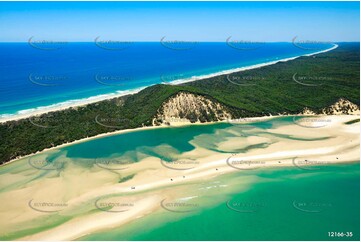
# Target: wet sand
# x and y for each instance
(79, 187)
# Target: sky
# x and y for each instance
(188, 21)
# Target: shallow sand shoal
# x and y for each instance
(287, 145)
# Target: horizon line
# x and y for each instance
(185, 41)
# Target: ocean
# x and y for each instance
(37, 76)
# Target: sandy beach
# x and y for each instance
(82, 102)
(172, 124)
(290, 145)
(180, 121)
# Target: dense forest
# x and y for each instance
(286, 87)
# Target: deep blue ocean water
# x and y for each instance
(32, 77)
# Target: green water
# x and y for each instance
(328, 196)
(139, 144)
(264, 204)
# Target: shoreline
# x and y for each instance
(114, 133)
(177, 125)
(27, 113)
(153, 181)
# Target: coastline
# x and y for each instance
(153, 176)
(23, 114)
(123, 131)
(175, 125)
(116, 133)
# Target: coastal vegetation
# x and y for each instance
(353, 121)
(126, 178)
(312, 82)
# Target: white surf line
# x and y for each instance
(245, 68)
(82, 102)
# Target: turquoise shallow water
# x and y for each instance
(287, 204)
(145, 141)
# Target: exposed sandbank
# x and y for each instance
(287, 145)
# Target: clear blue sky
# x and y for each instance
(197, 21)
